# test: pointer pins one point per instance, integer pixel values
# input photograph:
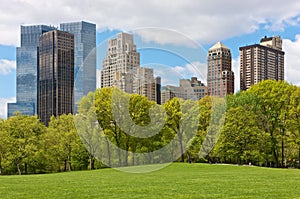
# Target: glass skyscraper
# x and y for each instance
(84, 58)
(27, 63)
(55, 74)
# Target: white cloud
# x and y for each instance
(292, 58)
(204, 21)
(7, 66)
(236, 69)
(98, 78)
(3, 106)
(170, 75)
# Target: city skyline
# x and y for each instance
(280, 18)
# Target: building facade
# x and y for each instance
(26, 71)
(189, 89)
(84, 58)
(220, 77)
(262, 61)
(145, 83)
(121, 63)
(55, 74)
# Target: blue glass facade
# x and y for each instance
(84, 58)
(23, 108)
(27, 63)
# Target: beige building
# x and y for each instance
(145, 84)
(220, 77)
(262, 61)
(188, 89)
(121, 63)
(121, 68)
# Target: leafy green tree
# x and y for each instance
(88, 128)
(275, 103)
(5, 146)
(25, 132)
(294, 122)
(62, 139)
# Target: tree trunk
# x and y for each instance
(181, 146)
(108, 152)
(69, 163)
(19, 170)
(282, 150)
(92, 162)
(65, 165)
(299, 158)
(0, 166)
(133, 158)
(25, 168)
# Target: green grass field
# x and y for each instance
(175, 181)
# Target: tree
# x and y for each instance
(25, 132)
(275, 103)
(62, 139)
(88, 128)
(294, 122)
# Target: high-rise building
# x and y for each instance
(84, 58)
(27, 63)
(220, 77)
(158, 89)
(121, 63)
(145, 83)
(262, 61)
(189, 89)
(55, 74)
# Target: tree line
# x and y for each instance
(260, 126)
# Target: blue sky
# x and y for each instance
(172, 36)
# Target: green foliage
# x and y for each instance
(113, 128)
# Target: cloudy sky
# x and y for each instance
(169, 23)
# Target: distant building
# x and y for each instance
(55, 74)
(84, 58)
(121, 63)
(220, 77)
(145, 84)
(26, 72)
(121, 68)
(158, 89)
(262, 61)
(192, 89)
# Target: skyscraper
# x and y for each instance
(27, 63)
(220, 77)
(262, 61)
(121, 63)
(84, 58)
(55, 74)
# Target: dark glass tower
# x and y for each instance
(84, 58)
(55, 74)
(27, 63)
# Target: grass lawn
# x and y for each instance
(175, 181)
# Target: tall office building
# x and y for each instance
(120, 65)
(262, 61)
(220, 77)
(27, 63)
(55, 74)
(84, 58)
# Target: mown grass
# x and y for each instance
(175, 181)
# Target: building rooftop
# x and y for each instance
(219, 45)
